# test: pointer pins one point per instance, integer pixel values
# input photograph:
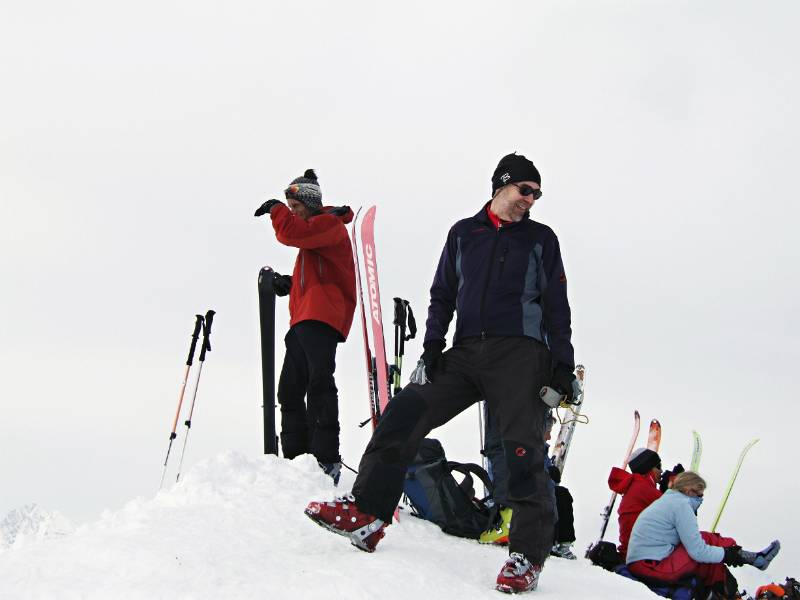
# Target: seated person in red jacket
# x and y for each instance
(639, 489)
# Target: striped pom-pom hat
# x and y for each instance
(306, 189)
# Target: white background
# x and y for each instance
(137, 139)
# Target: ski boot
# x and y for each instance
(498, 535)
(518, 575)
(760, 560)
(563, 550)
(343, 517)
(332, 470)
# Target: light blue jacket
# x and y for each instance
(663, 525)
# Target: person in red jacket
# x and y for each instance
(639, 489)
(322, 300)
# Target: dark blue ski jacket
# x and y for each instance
(502, 282)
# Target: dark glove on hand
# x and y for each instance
(281, 284)
(554, 473)
(561, 381)
(266, 207)
(733, 556)
(339, 210)
(667, 476)
(431, 356)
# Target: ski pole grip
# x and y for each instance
(195, 335)
(207, 334)
(399, 313)
(550, 397)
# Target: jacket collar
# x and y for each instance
(483, 218)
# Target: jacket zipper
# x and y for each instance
(503, 259)
(302, 271)
(486, 283)
(319, 263)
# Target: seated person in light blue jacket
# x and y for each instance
(666, 544)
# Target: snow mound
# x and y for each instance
(234, 528)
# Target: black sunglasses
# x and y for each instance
(527, 190)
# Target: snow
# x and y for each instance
(234, 528)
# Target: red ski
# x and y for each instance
(654, 436)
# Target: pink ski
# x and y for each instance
(373, 293)
(371, 385)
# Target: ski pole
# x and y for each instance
(399, 332)
(403, 319)
(481, 406)
(205, 348)
(195, 335)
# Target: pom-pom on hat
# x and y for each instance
(306, 189)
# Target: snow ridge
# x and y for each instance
(234, 528)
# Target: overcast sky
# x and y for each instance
(137, 138)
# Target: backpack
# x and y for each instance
(789, 590)
(604, 554)
(436, 496)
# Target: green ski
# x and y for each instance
(730, 484)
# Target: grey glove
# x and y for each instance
(426, 365)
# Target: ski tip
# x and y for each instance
(655, 423)
(636, 413)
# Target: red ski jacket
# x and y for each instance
(324, 276)
(638, 492)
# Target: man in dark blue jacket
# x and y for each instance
(502, 274)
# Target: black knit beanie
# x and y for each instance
(643, 460)
(306, 189)
(513, 168)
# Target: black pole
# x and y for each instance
(266, 309)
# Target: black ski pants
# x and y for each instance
(307, 377)
(563, 516)
(508, 372)
(565, 527)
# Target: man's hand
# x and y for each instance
(554, 473)
(266, 207)
(426, 365)
(281, 284)
(561, 381)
